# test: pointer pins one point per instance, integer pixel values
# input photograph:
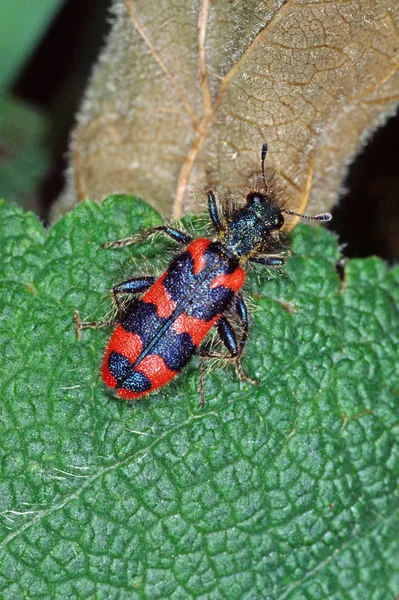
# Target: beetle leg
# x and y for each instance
(178, 236)
(131, 286)
(201, 386)
(269, 261)
(229, 339)
(226, 332)
(242, 313)
(213, 211)
(227, 335)
(79, 324)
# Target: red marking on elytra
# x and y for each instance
(197, 328)
(159, 295)
(128, 395)
(125, 343)
(197, 249)
(108, 378)
(233, 281)
(155, 368)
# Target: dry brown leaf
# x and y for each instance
(185, 93)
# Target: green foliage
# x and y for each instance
(21, 27)
(285, 490)
(23, 155)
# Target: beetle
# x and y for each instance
(159, 332)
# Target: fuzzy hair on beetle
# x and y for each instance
(166, 319)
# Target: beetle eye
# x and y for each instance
(278, 221)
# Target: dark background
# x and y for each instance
(54, 79)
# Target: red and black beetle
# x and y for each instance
(158, 333)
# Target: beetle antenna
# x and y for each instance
(322, 217)
(262, 162)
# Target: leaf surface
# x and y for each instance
(284, 490)
(184, 95)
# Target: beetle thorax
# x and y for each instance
(245, 234)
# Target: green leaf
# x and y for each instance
(24, 157)
(20, 29)
(284, 490)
